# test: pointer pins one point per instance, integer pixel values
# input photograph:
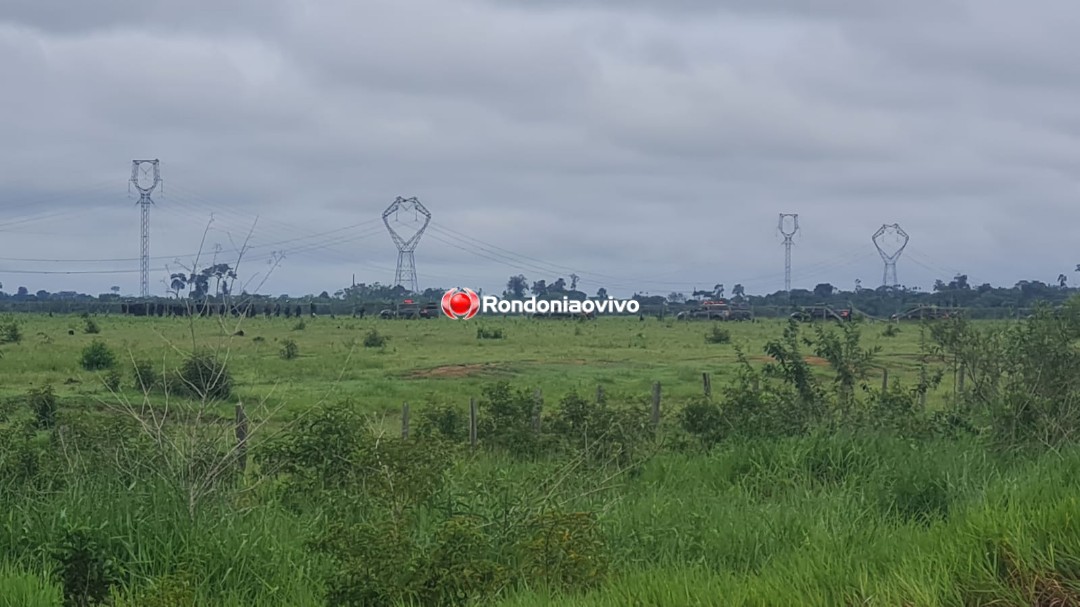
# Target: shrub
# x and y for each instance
(10, 332)
(204, 376)
(718, 335)
(891, 330)
(91, 327)
(112, 380)
(374, 339)
(289, 350)
(444, 421)
(97, 356)
(300, 326)
(87, 566)
(144, 377)
(42, 403)
(485, 333)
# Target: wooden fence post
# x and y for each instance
(241, 436)
(706, 382)
(538, 406)
(884, 380)
(405, 421)
(656, 404)
(472, 422)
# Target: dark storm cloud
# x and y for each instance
(646, 144)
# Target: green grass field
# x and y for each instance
(839, 516)
(438, 361)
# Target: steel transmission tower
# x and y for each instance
(145, 177)
(406, 261)
(888, 279)
(789, 234)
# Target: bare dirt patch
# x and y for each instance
(450, 371)
(810, 360)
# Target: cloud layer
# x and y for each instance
(644, 145)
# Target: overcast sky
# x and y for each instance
(646, 145)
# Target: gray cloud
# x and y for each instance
(644, 144)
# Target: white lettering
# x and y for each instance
(633, 306)
(489, 303)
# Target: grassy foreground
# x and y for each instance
(785, 488)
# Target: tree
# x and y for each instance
(1062, 281)
(823, 290)
(42, 294)
(179, 283)
(719, 291)
(324, 295)
(22, 292)
(601, 293)
(539, 288)
(676, 298)
(573, 282)
(559, 285)
(517, 286)
(959, 283)
(858, 285)
(738, 291)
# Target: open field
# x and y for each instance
(792, 492)
(425, 361)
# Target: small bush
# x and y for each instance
(300, 326)
(91, 327)
(10, 332)
(289, 350)
(143, 376)
(88, 567)
(204, 376)
(113, 379)
(374, 339)
(485, 333)
(98, 356)
(718, 335)
(43, 405)
(891, 331)
(258, 339)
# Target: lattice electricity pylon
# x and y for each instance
(145, 177)
(788, 241)
(405, 275)
(888, 279)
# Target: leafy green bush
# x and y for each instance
(289, 350)
(97, 356)
(144, 378)
(485, 333)
(10, 333)
(91, 327)
(88, 565)
(112, 380)
(203, 376)
(718, 335)
(374, 339)
(43, 405)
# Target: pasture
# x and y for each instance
(782, 488)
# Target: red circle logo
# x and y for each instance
(460, 303)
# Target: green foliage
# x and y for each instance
(97, 356)
(443, 421)
(289, 350)
(300, 325)
(486, 333)
(601, 432)
(91, 327)
(203, 376)
(143, 376)
(20, 588)
(373, 339)
(112, 379)
(891, 330)
(88, 565)
(718, 335)
(43, 405)
(10, 333)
